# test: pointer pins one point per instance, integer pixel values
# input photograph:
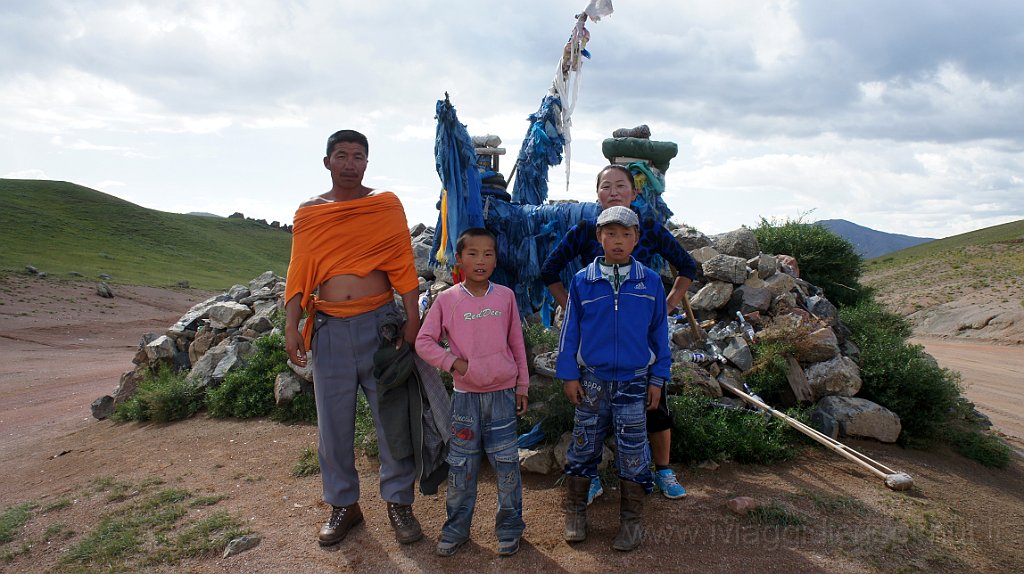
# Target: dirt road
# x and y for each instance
(993, 378)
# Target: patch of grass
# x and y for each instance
(775, 514)
(59, 504)
(14, 519)
(203, 538)
(61, 227)
(703, 431)
(155, 528)
(835, 503)
(57, 531)
(249, 391)
(308, 463)
(162, 397)
(206, 500)
(984, 447)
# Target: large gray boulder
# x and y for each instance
(739, 243)
(765, 265)
(266, 279)
(856, 417)
(238, 292)
(703, 255)
(538, 461)
(712, 296)
(228, 315)
(690, 238)
(102, 407)
(748, 299)
(819, 346)
(726, 268)
(190, 320)
(234, 357)
(780, 284)
(839, 376)
(286, 386)
(737, 351)
(421, 247)
(163, 347)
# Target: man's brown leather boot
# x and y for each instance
(407, 528)
(342, 519)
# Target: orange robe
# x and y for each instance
(351, 237)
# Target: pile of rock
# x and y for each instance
(215, 336)
(210, 340)
(735, 277)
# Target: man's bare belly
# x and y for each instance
(352, 287)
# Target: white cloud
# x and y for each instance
(898, 116)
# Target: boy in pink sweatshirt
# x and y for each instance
(486, 356)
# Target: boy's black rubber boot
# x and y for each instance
(631, 512)
(576, 491)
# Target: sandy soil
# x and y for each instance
(992, 377)
(61, 346)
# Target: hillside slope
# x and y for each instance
(62, 228)
(870, 242)
(968, 286)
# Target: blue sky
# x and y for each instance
(901, 116)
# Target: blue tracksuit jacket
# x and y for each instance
(620, 336)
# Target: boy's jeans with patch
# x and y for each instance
(484, 423)
(619, 406)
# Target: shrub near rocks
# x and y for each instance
(899, 375)
(162, 397)
(249, 391)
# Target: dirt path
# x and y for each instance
(992, 378)
(61, 346)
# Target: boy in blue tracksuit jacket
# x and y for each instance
(614, 357)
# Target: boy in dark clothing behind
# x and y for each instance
(614, 357)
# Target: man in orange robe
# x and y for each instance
(350, 252)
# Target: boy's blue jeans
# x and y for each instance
(483, 423)
(619, 406)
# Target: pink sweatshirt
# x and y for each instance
(485, 331)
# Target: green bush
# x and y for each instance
(249, 391)
(768, 375)
(301, 409)
(983, 447)
(898, 375)
(826, 260)
(549, 407)
(539, 339)
(163, 397)
(703, 431)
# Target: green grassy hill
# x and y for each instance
(988, 262)
(62, 228)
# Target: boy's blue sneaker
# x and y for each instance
(596, 489)
(668, 485)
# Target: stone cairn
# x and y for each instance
(208, 341)
(216, 336)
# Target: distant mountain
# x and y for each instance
(203, 213)
(871, 243)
